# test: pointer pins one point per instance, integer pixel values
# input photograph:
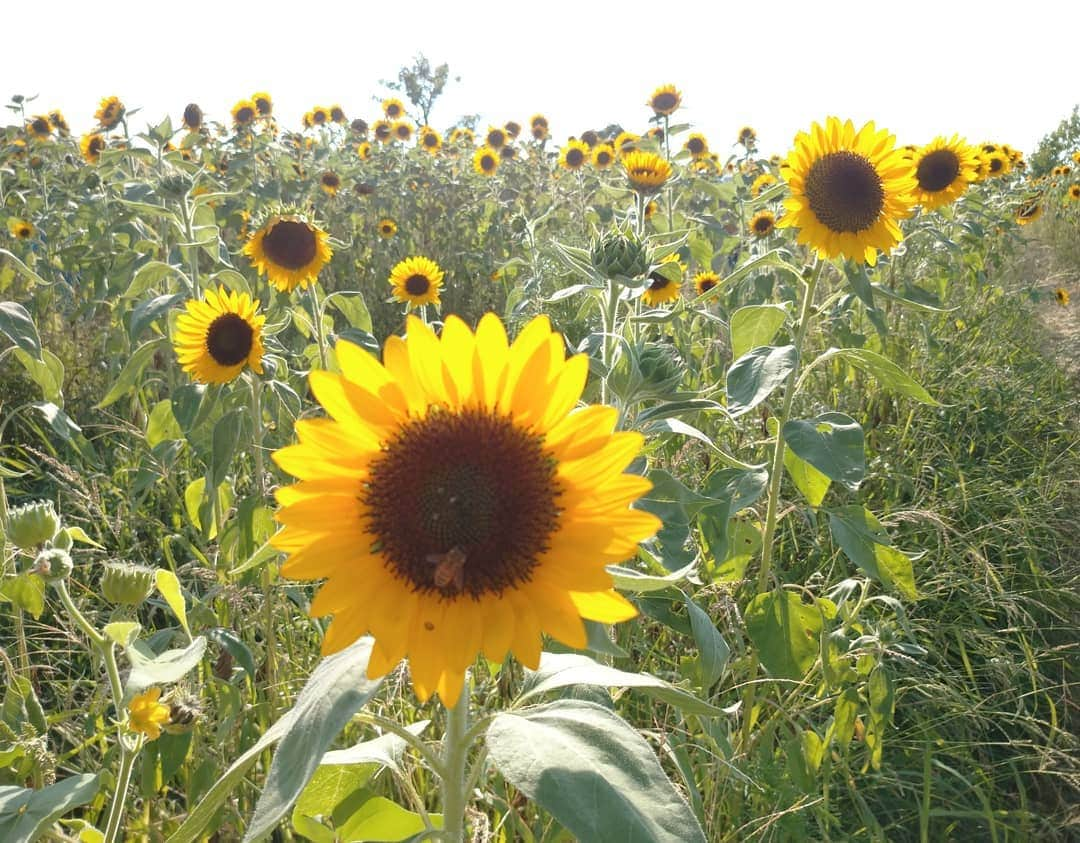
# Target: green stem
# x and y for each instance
(123, 779)
(268, 593)
(454, 775)
(607, 347)
(316, 318)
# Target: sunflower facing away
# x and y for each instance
(486, 161)
(574, 155)
(147, 715)
(943, 171)
(454, 481)
(763, 223)
(847, 190)
(92, 146)
(110, 112)
(665, 100)
(193, 117)
(289, 250)
(416, 281)
(647, 172)
(219, 335)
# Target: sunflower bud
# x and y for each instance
(32, 524)
(126, 584)
(661, 368)
(619, 254)
(175, 185)
(518, 224)
(52, 564)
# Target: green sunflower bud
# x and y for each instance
(661, 368)
(175, 185)
(518, 224)
(32, 524)
(52, 564)
(619, 253)
(126, 584)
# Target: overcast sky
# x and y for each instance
(989, 71)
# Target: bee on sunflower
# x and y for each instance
(289, 250)
(220, 335)
(416, 281)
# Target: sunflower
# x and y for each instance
(1074, 192)
(656, 133)
(110, 112)
(747, 137)
(626, 142)
(486, 161)
(1062, 296)
(20, 229)
(387, 228)
(943, 171)
(847, 189)
(495, 137)
(647, 172)
(1065, 169)
(574, 155)
(456, 484)
(320, 115)
(56, 118)
(508, 153)
(39, 127)
(416, 281)
(651, 208)
(590, 137)
(462, 134)
(603, 156)
(363, 150)
(697, 146)
(761, 182)
(244, 113)
(193, 117)
(763, 223)
(403, 130)
(384, 131)
(662, 289)
(513, 129)
(330, 182)
(430, 140)
(996, 164)
(219, 335)
(1029, 211)
(91, 146)
(146, 715)
(393, 108)
(289, 250)
(705, 281)
(538, 125)
(337, 115)
(665, 100)
(359, 127)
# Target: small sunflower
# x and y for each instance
(462, 135)
(763, 223)
(363, 150)
(747, 137)
(20, 229)
(109, 114)
(574, 155)
(244, 113)
(477, 507)
(665, 100)
(146, 715)
(1029, 211)
(56, 118)
(416, 281)
(290, 251)
(393, 108)
(996, 163)
(337, 115)
(220, 335)
(330, 182)
(430, 140)
(538, 125)
(626, 142)
(495, 137)
(387, 228)
(383, 130)
(486, 161)
(1074, 192)
(603, 156)
(847, 190)
(647, 172)
(403, 130)
(39, 127)
(765, 180)
(359, 127)
(193, 117)
(705, 281)
(943, 171)
(513, 129)
(91, 146)
(1062, 296)
(508, 153)
(662, 289)
(651, 209)
(320, 115)
(697, 146)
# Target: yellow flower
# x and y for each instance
(1029, 211)
(647, 172)
(387, 228)
(651, 209)
(330, 182)
(995, 163)
(219, 335)
(393, 108)
(761, 182)
(244, 113)
(290, 251)
(403, 130)
(363, 149)
(56, 118)
(20, 229)
(383, 131)
(603, 156)
(626, 142)
(513, 129)
(486, 161)
(943, 171)
(430, 140)
(747, 137)
(193, 117)
(39, 127)
(1062, 296)
(495, 137)
(662, 289)
(705, 281)
(110, 112)
(263, 104)
(456, 484)
(146, 715)
(697, 146)
(337, 114)
(665, 100)
(416, 281)
(763, 223)
(462, 135)
(847, 190)
(538, 124)
(574, 155)
(1074, 192)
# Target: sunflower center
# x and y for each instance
(290, 244)
(463, 502)
(659, 282)
(244, 115)
(995, 165)
(487, 162)
(696, 146)
(97, 144)
(706, 285)
(664, 102)
(845, 192)
(417, 285)
(229, 339)
(937, 170)
(575, 157)
(603, 158)
(763, 225)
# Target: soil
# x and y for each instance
(1041, 268)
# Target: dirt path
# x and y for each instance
(1041, 268)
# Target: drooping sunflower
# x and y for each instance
(337, 115)
(647, 172)
(383, 130)
(763, 223)
(109, 114)
(847, 190)
(508, 153)
(538, 125)
(513, 129)
(403, 130)
(264, 105)
(387, 228)
(56, 118)
(486, 161)
(747, 137)
(665, 100)
(146, 715)
(943, 170)
(363, 150)
(289, 250)
(603, 156)
(455, 481)
(393, 108)
(1074, 192)
(697, 146)
(20, 229)
(430, 140)
(1029, 211)
(330, 182)
(193, 117)
(220, 335)
(416, 281)
(244, 113)
(91, 146)
(574, 155)
(39, 127)
(705, 281)
(765, 180)
(495, 137)
(1062, 296)
(359, 127)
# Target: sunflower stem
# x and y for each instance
(454, 763)
(316, 321)
(607, 347)
(268, 593)
(123, 778)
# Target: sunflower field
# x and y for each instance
(367, 480)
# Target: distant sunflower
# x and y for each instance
(20, 229)
(697, 146)
(337, 115)
(996, 164)
(403, 130)
(656, 133)
(513, 129)
(1074, 192)
(647, 172)
(626, 142)
(244, 113)
(943, 171)
(1062, 296)
(393, 108)
(765, 180)
(290, 251)
(495, 137)
(363, 150)
(486, 161)
(109, 114)
(430, 140)
(847, 190)
(574, 155)
(763, 223)
(387, 228)
(383, 130)
(538, 125)
(220, 335)
(1029, 211)
(56, 118)
(91, 146)
(416, 281)
(320, 115)
(359, 127)
(330, 182)
(478, 507)
(665, 100)
(193, 117)
(603, 156)
(747, 136)
(264, 105)
(590, 137)
(705, 281)
(39, 127)
(508, 153)
(462, 134)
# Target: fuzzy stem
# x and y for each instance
(454, 773)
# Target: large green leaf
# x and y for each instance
(131, 374)
(808, 480)
(754, 326)
(887, 373)
(18, 326)
(593, 772)
(713, 650)
(378, 820)
(25, 814)
(867, 544)
(785, 631)
(148, 669)
(754, 376)
(833, 444)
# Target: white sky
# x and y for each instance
(989, 70)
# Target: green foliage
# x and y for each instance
(1057, 147)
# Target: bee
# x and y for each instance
(449, 568)
(184, 712)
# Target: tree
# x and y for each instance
(1057, 147)
(421, 85)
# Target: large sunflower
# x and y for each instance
(416, 281)
(574, 155)
(943, 171)
(456, 484)
(289, 250)
(847, 190)
(219, 335)
(647, 172)
(486, 161)
(665, 100)
(92, 146)
(110, 112)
